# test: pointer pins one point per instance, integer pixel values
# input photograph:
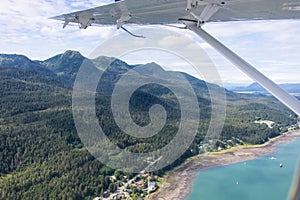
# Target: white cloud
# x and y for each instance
(174, 41)
(28, 29)
(271, 46)
(104, 32)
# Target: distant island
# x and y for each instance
(293, 88)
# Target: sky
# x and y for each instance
(271, 46)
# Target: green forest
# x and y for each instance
(42, 156)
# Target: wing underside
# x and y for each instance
(258, 10)
(170, 11)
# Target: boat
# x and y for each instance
(280, 165)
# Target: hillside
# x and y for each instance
(41, 154)
(22, 62)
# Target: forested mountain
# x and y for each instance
(41, 154)
(65, 65)
(22, 62)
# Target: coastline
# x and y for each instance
(178, 183)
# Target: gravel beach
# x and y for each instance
(178, 183)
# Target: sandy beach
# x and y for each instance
(178, 183)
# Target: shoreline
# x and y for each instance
(177, 184)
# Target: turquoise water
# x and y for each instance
(258, 179)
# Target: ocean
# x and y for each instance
(258, 179)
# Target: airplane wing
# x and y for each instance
(243, 10)
(129, 11)
(171, 11)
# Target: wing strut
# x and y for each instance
(248, 69)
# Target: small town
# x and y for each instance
(137, 188)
